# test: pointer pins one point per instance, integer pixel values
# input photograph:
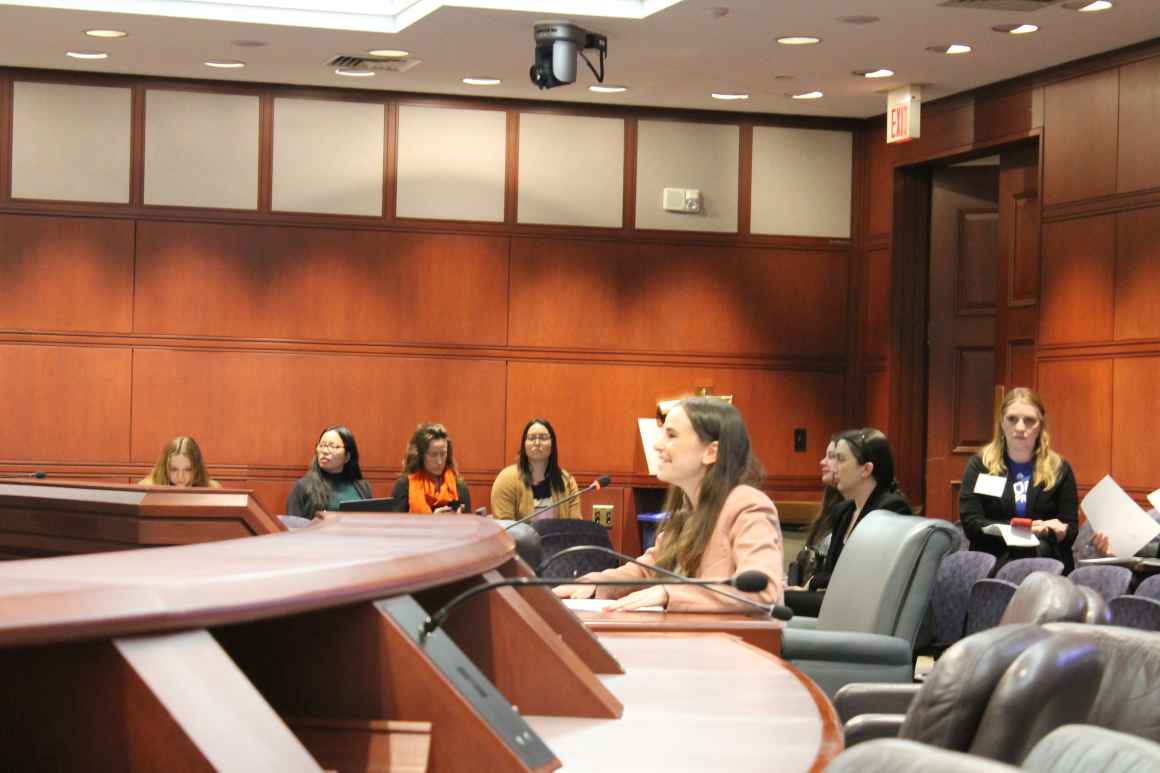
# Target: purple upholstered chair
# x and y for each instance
(1108, 581)
(1136, 612)
(1149, 588)
(1015, 571)
(957, 574)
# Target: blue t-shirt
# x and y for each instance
(1020, 483)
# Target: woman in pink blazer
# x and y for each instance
(718, 522)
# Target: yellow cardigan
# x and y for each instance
(512, 498)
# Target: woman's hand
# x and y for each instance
(1054, 525)
(1101, 544)
(574, 591)
(656, 596)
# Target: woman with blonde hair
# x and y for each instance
(718, 523)
(1019, 479)
(180, 464)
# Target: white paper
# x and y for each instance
(1154, 499)
(599, 605)
(649, 432)
(1129, 561)
(1014, 536)
(1112, 511)
(990, 485)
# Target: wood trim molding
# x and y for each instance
(5, 138)
(265, 153)
(745, 181)
(137, 146)
(391, 162)
(628, 215)
(512, 171)
(1116, 202)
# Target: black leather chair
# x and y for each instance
(556, 534)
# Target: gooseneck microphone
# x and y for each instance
(596, 485)
(750, 578)
(750, 582)
(39, 474)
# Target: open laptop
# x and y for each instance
(376, 505)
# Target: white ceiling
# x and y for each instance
(672, 58)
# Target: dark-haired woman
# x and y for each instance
(536, 480)
(430, 481)
(334, 476)
(812, 557)
(863, 474)
(718, 523)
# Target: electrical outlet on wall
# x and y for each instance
(602, 515)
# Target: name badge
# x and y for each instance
(990, 485)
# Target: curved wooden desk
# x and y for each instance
(299, 649)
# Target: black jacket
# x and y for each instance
(880, 499)
(298, 504)
(977, 511)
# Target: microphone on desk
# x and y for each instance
(39, 474)
(596, 485)
(750, 578)
(750, 581)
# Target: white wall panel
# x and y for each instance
(571, 170)
(802, 182)
(451, 163)
(201, 150)
(687, 155)
(70, 143)
(328, 157)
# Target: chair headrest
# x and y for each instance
(1045, 598)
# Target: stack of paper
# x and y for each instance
(1111, 511)
(1014, 536)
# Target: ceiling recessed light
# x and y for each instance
(1016, 29)
(881, 72)
(799, 40)
(784, 77)
(389, 53)
(482, 81)
(106, 33)
(808, 95)
(950, 49)
(224, 64)
(1087, 6)
(728, 96)
(352, 73)
(250, 43)
(609, 89)
(87, 54)
(858, 19)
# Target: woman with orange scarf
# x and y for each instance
(430, 483)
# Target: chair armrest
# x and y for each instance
(870, 727)
(898, 756)
(803, 623)
(845, 647)
(874, 698)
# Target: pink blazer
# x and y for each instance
(747, 536)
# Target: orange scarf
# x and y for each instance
(425, 493)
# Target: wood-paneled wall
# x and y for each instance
(123, 326)
(1096, 356)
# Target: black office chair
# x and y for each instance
(556, 534)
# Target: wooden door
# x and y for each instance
(984, 258)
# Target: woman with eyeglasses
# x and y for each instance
(430, 481)
(1018, 479)
(334, 476)
(863, 473)
(536, 480)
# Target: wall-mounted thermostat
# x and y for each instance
(687, 200)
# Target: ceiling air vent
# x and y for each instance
(1000, 5)
(375, 64)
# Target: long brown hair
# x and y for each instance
(686, 529)
(182, 445)
(425, 435)
(1046, 463)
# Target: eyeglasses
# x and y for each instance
(336, 447)
(541, 439)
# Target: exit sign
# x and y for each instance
(903, 114)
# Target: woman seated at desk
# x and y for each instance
(430, 482)
(180, 464)
(334, 476)
(717, 522)
(863, 472)
(1018, 476)
(536, 480)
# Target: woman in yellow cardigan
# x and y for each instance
(536, 480)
